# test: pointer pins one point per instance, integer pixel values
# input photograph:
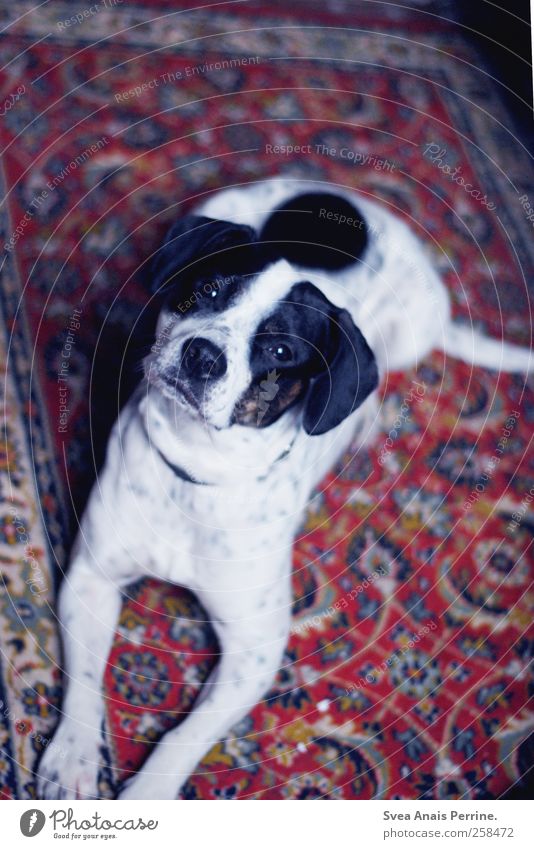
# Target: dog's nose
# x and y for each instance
(202, 360)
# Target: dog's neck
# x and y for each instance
(200, 454)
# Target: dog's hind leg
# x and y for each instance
(250, 658)
(474, 348)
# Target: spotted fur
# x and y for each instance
(375, 303)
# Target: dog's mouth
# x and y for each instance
(182, 392)
(174, 389)
(266, 400)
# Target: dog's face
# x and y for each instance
(243, 337)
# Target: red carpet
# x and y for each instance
(407, 672)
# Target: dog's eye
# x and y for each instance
(282, 353)
(212, 288)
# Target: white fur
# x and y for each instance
(228, 541)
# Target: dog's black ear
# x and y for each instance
(349, 376)
(194, 238)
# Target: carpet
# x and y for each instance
(407, 672)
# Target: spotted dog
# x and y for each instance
(283, 304)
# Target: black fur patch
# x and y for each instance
(204, 263)
(316, 230)
(327, 364)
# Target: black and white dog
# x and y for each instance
(285, 303)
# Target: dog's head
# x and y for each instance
(243, 336)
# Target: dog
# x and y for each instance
(284, 305)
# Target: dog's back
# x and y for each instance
(361, 255)
(388, 283)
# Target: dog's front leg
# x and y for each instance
(249, 662)
(89, 606)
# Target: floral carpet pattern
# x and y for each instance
(407, 673)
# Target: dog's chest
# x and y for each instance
(205, 536)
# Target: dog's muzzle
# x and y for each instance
(200, 366)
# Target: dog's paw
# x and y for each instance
(69, 767)
(147, 785)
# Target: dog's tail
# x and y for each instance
(476, 349)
